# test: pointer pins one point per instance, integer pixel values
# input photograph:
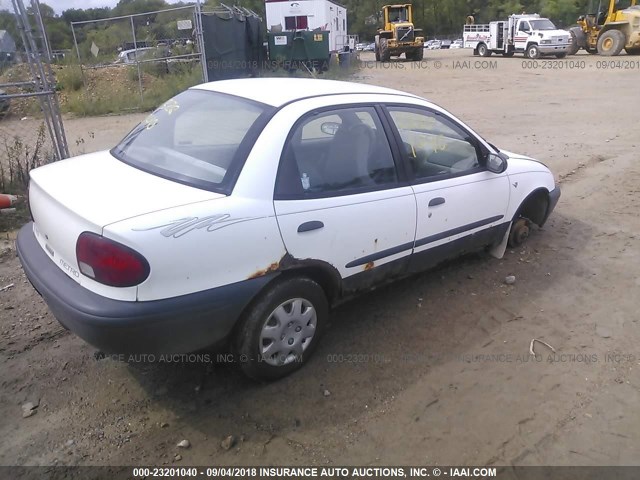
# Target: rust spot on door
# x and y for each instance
(368, 266)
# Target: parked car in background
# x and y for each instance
(241, 211)
(130, 56)
(370, 47)
(141, 54)
(361, 46)
(445, 44)
(434, 45)
(457, 44)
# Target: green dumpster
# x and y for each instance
(299, 49)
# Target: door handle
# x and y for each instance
(308, 226)
(436, 201)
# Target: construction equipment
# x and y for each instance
(614, 25)
(398, 35)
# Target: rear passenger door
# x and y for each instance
(339, 199)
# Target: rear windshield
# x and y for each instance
(199, 138)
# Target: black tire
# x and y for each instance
(591, 51)
(377, 51)
(561, 55)
(287, 296)
(533, 51)
(385, 54)
(611, 43)
(632, 51)
(519, 232)
(508, 54)
(575, 41)
(418, 54)
(483, 50)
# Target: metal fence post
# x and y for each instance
(135, 46)
(75, 43)
(200, 37)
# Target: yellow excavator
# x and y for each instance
(614, 25)
(398, 35)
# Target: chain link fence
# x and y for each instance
(134, 62)
(31, 130)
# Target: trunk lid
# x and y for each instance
(89, 192)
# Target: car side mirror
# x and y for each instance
(496, 163)
(330, 128)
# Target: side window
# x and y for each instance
(434, 145)
(524, 27)
(339, 151)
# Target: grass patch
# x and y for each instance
(21, 157)
(117, 90)
(70, 78)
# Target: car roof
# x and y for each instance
(279, 91)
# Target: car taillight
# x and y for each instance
(109, 262)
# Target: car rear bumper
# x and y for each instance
(176, 325)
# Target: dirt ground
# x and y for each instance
(431, 370)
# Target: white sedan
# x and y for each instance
(240, 211)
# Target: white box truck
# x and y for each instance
(529, 34)
(310, 15)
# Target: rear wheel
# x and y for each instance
(611, 43)
(533, 51)
(483, 50)
(418, 54)
(281, 330)
(385, 54)
(561, 55)
(632, 51)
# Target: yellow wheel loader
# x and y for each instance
(398, 35)
(614, 25)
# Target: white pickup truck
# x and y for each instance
(529, 34)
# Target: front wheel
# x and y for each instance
(385, 53)
(533, 52)
(611, 43)
(519, 232)
(281, 330)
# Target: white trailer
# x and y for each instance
(529, 34)
(310, 15)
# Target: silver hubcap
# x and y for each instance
(288, 332)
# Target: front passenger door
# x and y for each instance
(460, 204)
